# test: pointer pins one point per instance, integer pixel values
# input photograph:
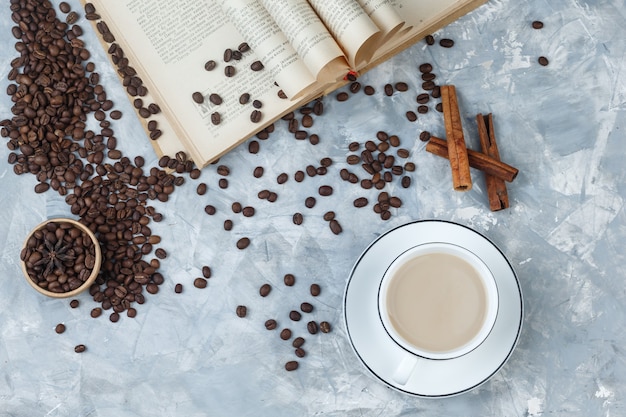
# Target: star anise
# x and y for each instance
(54, 255)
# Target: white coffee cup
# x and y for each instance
(438, 301)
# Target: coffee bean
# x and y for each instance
(369, 90)
(178, 288)
(310, 202)
(430, 40)
(401, 86)
(297, 219)
(206, 271)
(299, 352)
(256, 66)
(210, 210)
(446, 43)
(265, 290)
(258, 172)
(96, 312)
(215, 99)
(210, 65)
(325, 190)
(198, 97)
(244, 98)
(411, 116)
(201, 189)
(257, 104)
(289, 280)
(428, 85)
(306, 307)
(223, 183)
(270, 324)
(422, 109)
(543, 61)
(256, 116)
(243, 243)
(355, 87)
(298, 342)
(64, 7)
(282, 178)
(291, 366)
(312, 327)
(74, 303)
(160, 253)
(428, 76)
(71, 18)
(241, 311)
(315, 290)
(325, 327)
(253, 147)
(360, 202)
(228, 225)
(335, 227)
(314, 139)
(200, 283)
(343, 96)
(299, 176)
(60, 328)
(216, 118)
(537, 24)
(80, 348)
(436, 92)
(285, 334)
(114, 317)
(439, 107)
(406, 182)
(229, 71)
(295, 315)
(329, 215)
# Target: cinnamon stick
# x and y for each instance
(478, 160)
(496, 188)
(457, 150)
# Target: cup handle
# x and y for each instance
(405, 369)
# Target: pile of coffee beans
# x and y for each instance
(56, 93)
(59, 257)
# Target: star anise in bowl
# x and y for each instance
(60, 258)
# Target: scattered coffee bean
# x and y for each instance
(343, 96)
(325, 327)
(210, 65)
(160, 253)
(257, 104)
(291, 366)
(401, 86)
(298, 342)
(178, 288)
(241, 311)
(74, 303)
(270, 324)
(115, 316)
(256, 116)
(310, 202)
(228, 225)
(229, 71)
(543, 61)
(201, 189)
(60, 328)
(285, 334)
(411, 116)
(243, 243)
(297, 219)
(315, 290)
(216, 118)
(537, 24)
(289, 280)
(335, 227)
(282, 178)
(295, 315)
(312, 327)
(96, 312)
(430, 40)
(306, 307)
(215, 99)
(388, 89)
(248, 211)
(253, 147)
(325, 190)
(256, 66)
(200, 283)
(446, 43)
(198, 97)
(65, 7)
(210, 210)
(206, 271)
(369, 90)
(80, 348)
(265, 290)
(299, 352)
(329, 215)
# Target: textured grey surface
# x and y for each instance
(189, 355)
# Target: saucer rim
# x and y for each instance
(519, 319)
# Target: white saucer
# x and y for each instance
(382, 356)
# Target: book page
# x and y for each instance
(169, 43)
(384, 15)
(309, 37)
(270, 44)
(354, 31)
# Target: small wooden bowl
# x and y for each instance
(94, 272)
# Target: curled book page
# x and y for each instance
(354, 31)
(270, 44)
(310, 38)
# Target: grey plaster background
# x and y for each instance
(189, 355)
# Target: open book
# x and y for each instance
(222, 70)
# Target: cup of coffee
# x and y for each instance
(438, 301)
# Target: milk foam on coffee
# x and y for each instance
(437, 302)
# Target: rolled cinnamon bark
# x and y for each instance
(457, 150)
(496, 188)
